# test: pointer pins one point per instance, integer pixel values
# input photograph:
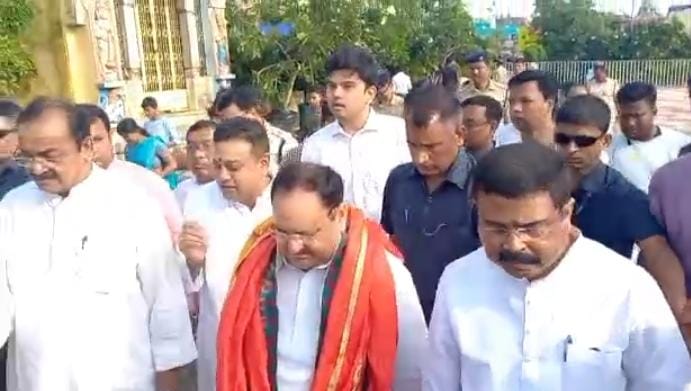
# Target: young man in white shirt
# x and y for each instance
(542, 307)
(361, 145)
(200, 149)
(642, 146)
(220, 217)
(532, 99)
(91, 294)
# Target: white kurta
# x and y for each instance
(229, 225)
(184, 189)
(597, 322)
(299, 317)
(90, 290)
(364, 160)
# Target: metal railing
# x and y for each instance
(662, 73)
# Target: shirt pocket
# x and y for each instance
(103, 268)
(589, 367)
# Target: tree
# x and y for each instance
(659, 39)
(573, 30)
(296, 36)
(530, 44)
(16, 65)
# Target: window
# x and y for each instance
(159, 29)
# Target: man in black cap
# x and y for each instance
(481, 82)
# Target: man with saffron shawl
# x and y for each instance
(320, 299)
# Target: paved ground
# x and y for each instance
(674, 109)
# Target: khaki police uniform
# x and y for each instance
(494, 90)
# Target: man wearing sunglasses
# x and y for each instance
(609, 209)
(11, 174)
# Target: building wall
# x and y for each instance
(45, 42)
(64, 50)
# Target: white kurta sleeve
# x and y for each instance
(412, 330)
(6, 299)
(656, 357)
(170, 330)
(442, 369)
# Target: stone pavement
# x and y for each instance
(674, 109)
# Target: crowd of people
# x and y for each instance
(440, 235)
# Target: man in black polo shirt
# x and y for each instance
(426, 207)
(609, 209)
(11, 175)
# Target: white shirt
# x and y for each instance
(638, 160)
(184, 189)
(90, 290)
(159, 190)
(507, 134)
(364, 160)
(299, 316)
(154, 186)
(229, 225)
(280, 142)
(402, 83)
(597, 322)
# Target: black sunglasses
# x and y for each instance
(580, 141)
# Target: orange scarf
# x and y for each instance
(361, 330)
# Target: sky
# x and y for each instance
(523, 8)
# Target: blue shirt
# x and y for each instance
(612, 211)
(431, 229)
(164, 130)
(11, 176)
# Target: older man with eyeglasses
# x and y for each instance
(542, 307)
(426, 207)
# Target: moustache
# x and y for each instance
(43, 177)
(518, 257)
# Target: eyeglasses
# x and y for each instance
(580, 141)
(300, 237)
(27, 162)
(473, 127)
(532, 231)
